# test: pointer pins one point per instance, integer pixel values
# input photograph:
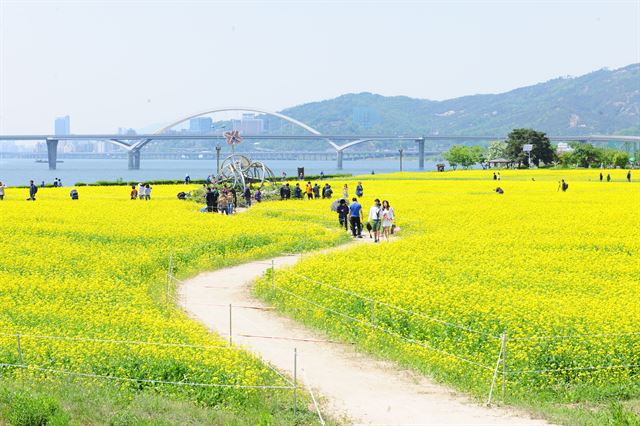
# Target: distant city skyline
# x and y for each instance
(141, 64)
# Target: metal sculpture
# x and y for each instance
(240, 171)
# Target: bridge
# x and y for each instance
(133, 144)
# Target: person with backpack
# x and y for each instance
(33, 190)
(375, 215)
(343, 213)
(297, 192)
(327, 191)
(355, 218)
(563, 185)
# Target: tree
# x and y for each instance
(542, 151)
(584, 154)
(497, 149)
(464, 156)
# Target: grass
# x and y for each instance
(68, 402)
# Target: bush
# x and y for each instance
(27, 409)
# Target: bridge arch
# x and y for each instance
(142, 143)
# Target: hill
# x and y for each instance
(601, 102)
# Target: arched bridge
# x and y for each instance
(134, 143)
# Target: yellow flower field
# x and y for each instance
(95, 268)
(558, 272)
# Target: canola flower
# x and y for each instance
(95, 268)
(558, 272)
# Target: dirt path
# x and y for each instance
(353, 386)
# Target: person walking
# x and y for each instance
(258, 195)
(327, 191)
(359, 190)
(230, 203)
(375, 218)
(147, 192)
(629, 176)
(309, 191)
(210, 200)
(247, 196)
(321, 175)
(355, 218)
(345, 192)
(297, 192)
(316, 191)
(343, 214)
(2, 188)
(388, 216)
(222, 204)
(134, 192)
(33, 190)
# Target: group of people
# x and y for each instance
(142, 192)
(310, 191)
(223, 199)
(380, 221)
(609, 176)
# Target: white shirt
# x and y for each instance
(374, 213)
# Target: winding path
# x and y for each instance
(354, 387)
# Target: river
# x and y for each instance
(19, 171)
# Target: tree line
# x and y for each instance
(542, 153)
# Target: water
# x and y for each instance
(20, 171)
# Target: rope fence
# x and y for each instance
(500, 369)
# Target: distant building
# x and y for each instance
(62, 125)
(249, 124)
(563, 147)
(200, 125)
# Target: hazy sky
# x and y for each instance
(112, 64)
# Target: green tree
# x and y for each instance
(542, 150)
(497, 149)
(464, 156)
(584, 154)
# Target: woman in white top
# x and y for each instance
(345, 192)
(387, 219)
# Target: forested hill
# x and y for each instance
(601, 102)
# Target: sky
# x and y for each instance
(140, 64)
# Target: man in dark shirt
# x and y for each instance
(343, 213)
(210, 199)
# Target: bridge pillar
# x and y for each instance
(340, 156)
(52, 153)
(420, 153)
(134, 159)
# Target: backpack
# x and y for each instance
(35, 189)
